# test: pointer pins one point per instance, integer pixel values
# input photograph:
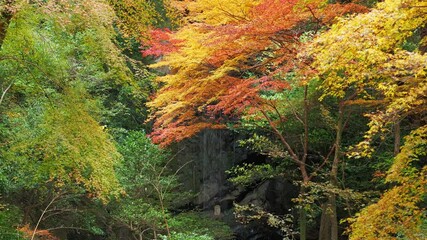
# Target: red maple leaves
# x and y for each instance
(246, 57)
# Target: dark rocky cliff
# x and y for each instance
(206, 157)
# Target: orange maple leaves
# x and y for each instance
(39, 234)
(221, 69)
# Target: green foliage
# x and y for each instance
(248, 213)
(187, 236)
(63, 145)
(150, 186)
(10, 218)
(148, 183)
(262, 144)
(66, 78)
(136, 16)
(199, 224)
(143, 164)
(249, 173)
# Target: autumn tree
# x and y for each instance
(380, 57)
(52, 140)
(215, 57)
(225, 63)
(70, 86)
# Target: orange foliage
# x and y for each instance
(160, 43)
(220, 69)
(40, 234)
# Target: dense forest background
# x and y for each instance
(213, 119)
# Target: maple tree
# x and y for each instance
(52, 140)
(221, 66)
(380, 57)
(70, 86)
(214, 57)
(74, 161)
(398, 212)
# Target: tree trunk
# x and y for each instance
(302, 166)
(302, 219)
(329, 221)
(423, 45)
(303, 224)
(334, 217)
(325, 230)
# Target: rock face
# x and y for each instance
(207, 156)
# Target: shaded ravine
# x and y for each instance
(208, 155)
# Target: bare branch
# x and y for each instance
(4, 91)
(43, 213)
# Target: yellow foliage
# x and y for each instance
(366, 53)
(67, 147)
(398, 212)
(359, 50)
(133, 16)
(224, 41)
(188, 76)
(86, 147)
(218, 12)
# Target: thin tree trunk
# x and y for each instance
(329, 221)
(4, 91)
(334, 175)
(423, 46)
(302, 219)
(325, 230)
(333, 216)
(303, 224)
(302, 166)
(162, 206)
(300, 160)
(42, 215)
(165, 219)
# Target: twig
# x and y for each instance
(41, 216)
(4, 92)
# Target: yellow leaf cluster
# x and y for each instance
(133, 16)
(68, 148)
(398, 212)
(218, 12)
(365, 54)
(357, 52)
(87, 149)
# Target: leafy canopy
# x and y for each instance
(221, 67)
(370, 55)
